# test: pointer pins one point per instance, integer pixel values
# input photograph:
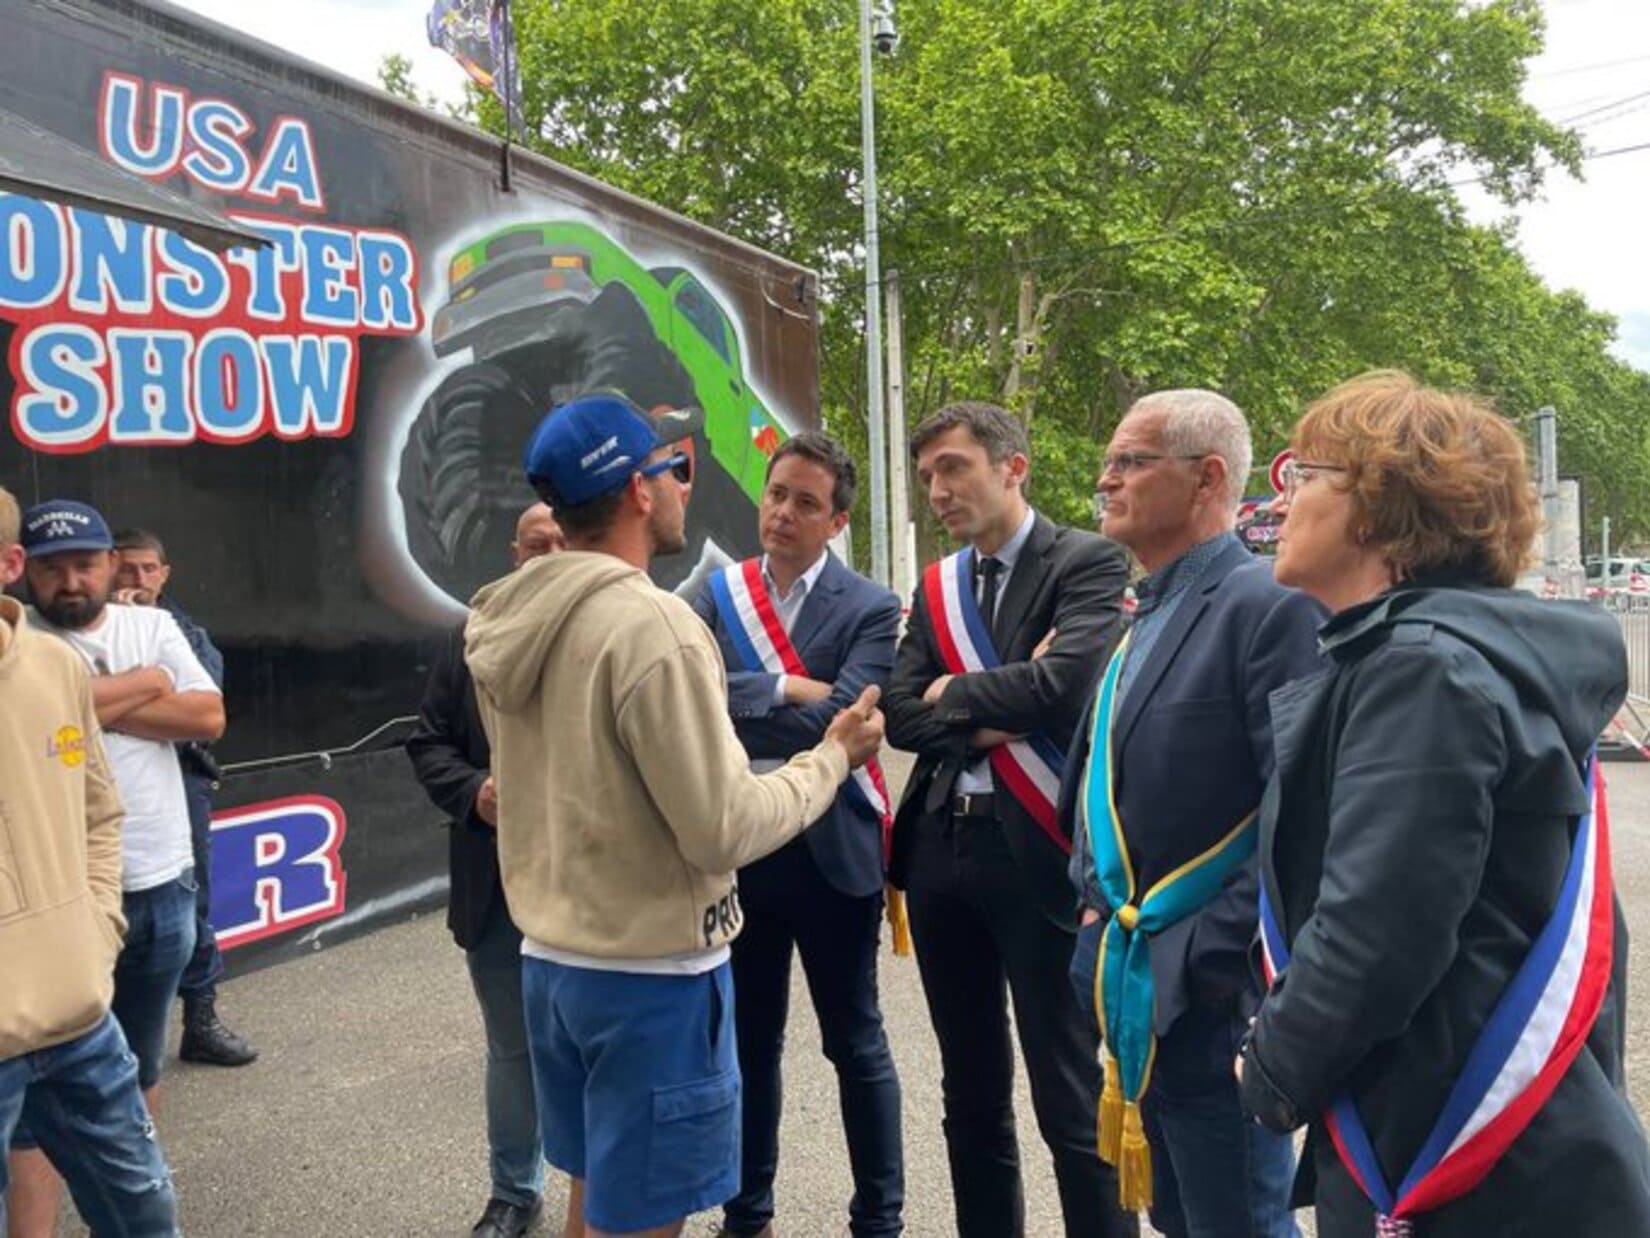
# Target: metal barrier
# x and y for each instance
(1632, 612)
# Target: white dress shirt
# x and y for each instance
(975, 778)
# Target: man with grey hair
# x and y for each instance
(1160, 792)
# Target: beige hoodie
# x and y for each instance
(625, 799)
(60, 917)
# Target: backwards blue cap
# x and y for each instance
(591, 446)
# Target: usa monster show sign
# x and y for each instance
(326, 430)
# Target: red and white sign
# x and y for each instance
(1275, 473)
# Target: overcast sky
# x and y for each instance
(1591, 235)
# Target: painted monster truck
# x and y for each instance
(549, 311)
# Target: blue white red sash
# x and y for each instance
(1539, 1025)
(1029, 769)
(753, 625)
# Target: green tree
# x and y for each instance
(1088, 199)
(395, 76)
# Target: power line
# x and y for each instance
(1603, 107)
(1612, 117)
(1588, 68)
(1619, 150)
(1590, 157)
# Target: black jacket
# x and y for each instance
(1413, 840)
(450, 758)
(1064, 580)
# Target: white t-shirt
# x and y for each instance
(155, 837)
(694, 963)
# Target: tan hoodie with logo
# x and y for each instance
(60, 818)
(626, 801)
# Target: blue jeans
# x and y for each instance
(86, 1110)
(514, 1157)
(1215, 1173)
(160, 937)
(200, 977)
(160, 933)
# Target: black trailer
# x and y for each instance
(326, 429)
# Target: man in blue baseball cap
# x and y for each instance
(587, 448)
(149, 690)
(618, 854)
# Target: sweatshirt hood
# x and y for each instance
(515, 622)
(1564, 659)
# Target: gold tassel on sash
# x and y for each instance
(899, 924)
(1134, 1167)
(1122, 1135)
(1122, 1138)
(1111, 1114)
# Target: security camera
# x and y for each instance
(883, 35)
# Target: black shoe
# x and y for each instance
(207, 1040)
(502, 1219)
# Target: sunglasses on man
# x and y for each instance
(679, 466)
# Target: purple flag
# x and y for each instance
(480, 36)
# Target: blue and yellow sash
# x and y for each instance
(1123, 992)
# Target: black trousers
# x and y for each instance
(790, 908)
(981, 940)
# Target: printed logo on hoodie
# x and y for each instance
(68, 745)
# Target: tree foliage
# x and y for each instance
(1088, 199)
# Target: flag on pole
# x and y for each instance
(481, 37)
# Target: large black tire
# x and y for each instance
(462, 486)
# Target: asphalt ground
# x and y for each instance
(363, 1116)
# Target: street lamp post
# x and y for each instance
(883, 31)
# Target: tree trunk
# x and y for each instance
(1025, 337)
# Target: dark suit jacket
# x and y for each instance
(1192, 750)
(451, 758)
(844, 634)
(1066, 580)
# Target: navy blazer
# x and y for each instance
(844, 634)
(1192, 750)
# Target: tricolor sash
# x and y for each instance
(1124, 995)
(747, 609)
(1535, 1031)
(754, 629)
(1029, 769)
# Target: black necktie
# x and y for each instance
(988, 573)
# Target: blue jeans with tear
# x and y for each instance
(86, 1112)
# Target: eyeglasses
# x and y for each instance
(1126, 462)
(1296, 473)
(679, 466)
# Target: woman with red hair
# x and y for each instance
(1439, 927)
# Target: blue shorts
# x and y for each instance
(638, 1088)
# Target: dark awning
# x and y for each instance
(43, 165)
